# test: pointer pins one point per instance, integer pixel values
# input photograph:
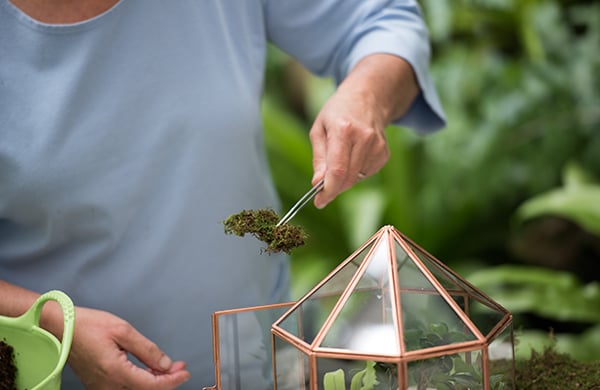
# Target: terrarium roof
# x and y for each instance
(390, 298)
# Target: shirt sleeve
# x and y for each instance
(330, 36)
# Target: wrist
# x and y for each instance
(52, 319)
(385, 82)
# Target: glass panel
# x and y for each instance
(365, 323)
(501, 352)
(445, 278)
(456, 371)
(484, 313)
(452, 279)
(428, 321)
(341, 279)
(410, 277)
(356, 374)
(291, 367)
(308, 318)
(484, 317)
(245, 348)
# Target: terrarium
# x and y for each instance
(390, 316)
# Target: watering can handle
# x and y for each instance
(68, 310)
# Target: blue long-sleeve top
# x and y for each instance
(126, 139)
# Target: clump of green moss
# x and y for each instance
(262, 225)
(551, 370)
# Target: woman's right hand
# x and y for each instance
(99, 355)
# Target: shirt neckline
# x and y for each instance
(35, 24)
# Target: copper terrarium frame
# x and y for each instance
(390, 316)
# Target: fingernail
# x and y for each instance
(165, 362)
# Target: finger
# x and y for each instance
(359, 163)
(149, 379)
(157, 380)
(339, 154)
(145, 350)
(162, 371)
(318, 139)
(175, 367)
(369, 155)
(355, 154)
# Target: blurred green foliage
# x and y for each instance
(491, 195)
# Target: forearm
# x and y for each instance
(17, 300)
(384, 82)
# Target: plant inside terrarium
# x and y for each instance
(262, 224)
(458, 371)
(444, 372)
(365, 379)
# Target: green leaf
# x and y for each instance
(443, 386)
(552, 294)
(462, 366)
(365, 379)
(456, 337)
(575, 176)
(578, 201)
(465, 378)
(439, 328)
(334, 380)
(356, 383)
(583, 346)
(579, 205)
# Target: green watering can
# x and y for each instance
(38, 356)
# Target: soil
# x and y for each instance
(8, 371)
(262, 224)
(551, 370)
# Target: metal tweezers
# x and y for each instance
(303, 201)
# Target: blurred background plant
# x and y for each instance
(508, 195)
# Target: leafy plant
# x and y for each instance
(362, 380)
(447, 372)
(553, 294)
(518, 81)
(577, 200)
